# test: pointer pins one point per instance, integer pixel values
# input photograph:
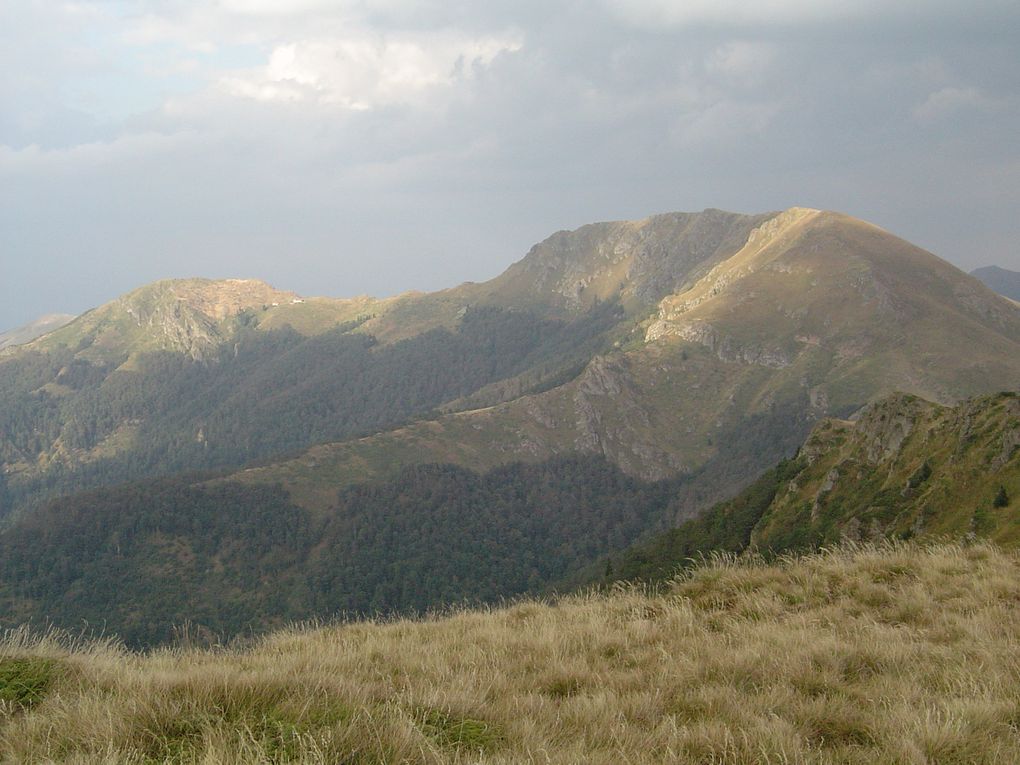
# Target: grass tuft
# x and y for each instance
(24, 682)
(449, 731)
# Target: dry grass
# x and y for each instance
(893, 654)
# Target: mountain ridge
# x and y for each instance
(405, 453)
(902, 468)
(1001, 280)
(26, 333)
(812, 317)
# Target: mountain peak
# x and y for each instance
(638, 262)
(820, 279)
(216, 299)
(190, 316)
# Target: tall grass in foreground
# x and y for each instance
(891, 654)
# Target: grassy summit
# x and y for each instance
(860, 654)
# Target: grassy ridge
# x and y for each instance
(860, 654)
(905, 468)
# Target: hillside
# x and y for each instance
(34, 329)
(1001, 280)
(70, 422)
(906, 467)
(144, 558)
(858, 655)
(903, 468)
(815, 315)
(240, 558)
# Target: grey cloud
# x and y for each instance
(595, 116)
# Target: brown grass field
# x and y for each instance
(861, 654)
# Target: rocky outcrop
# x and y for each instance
(883, 427)
(638, 262)
(904, 467)
(725, 347)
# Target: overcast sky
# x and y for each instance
(375, 146)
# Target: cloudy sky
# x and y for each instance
(372, 146)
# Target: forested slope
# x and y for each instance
(139, 561)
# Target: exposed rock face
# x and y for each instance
(599, 380)
(639, 262)
(830, 482)
(726, 348)
(884, 426)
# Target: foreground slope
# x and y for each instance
(859, 655)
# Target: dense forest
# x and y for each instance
(726, 527)
(269, 392)
(139, 560)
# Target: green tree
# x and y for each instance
(1001, 498)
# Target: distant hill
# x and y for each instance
(193, 317)
(903, 468)
(1001, 280)
(34, 329)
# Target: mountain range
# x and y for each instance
(237, 455)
